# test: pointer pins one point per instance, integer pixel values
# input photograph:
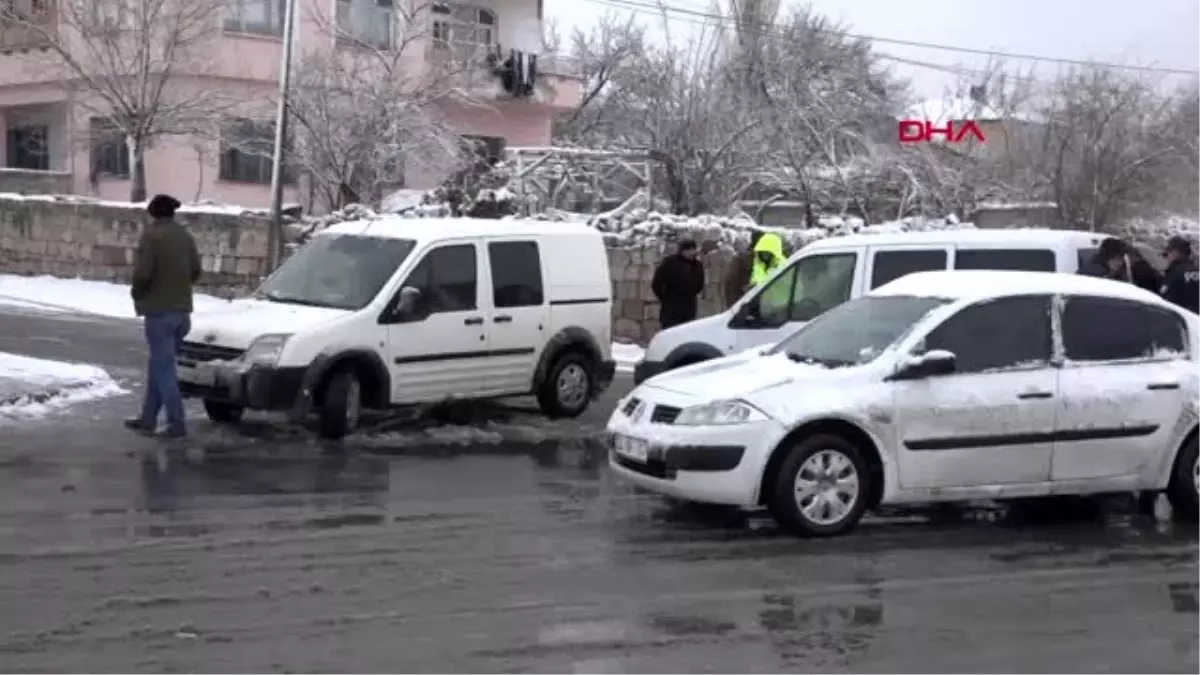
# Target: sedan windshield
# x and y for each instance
(339, 271)
(856, 332)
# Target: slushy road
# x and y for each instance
(498, 542)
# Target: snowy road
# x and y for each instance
(504, 545)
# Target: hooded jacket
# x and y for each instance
(769, 243)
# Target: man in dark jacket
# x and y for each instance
(1181, 283)
(1109, 261)
(677, 283)
(737, 278)
(165, 267)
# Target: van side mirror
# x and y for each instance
(410, 306)
(930, 364)
(746, 315)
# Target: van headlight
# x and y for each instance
(720, 413)
(265, 350)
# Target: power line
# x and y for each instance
(704, 17)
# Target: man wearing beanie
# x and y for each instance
(166, 265)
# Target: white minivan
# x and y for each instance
(832, 271)
(392, 311)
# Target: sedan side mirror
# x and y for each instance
(408, 307)
(931, 363)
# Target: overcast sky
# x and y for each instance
(1163, 33)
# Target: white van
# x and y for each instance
(837, 269)
(393, 311)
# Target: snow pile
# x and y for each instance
(30, 387)
(627, 356)
(81, 296)
(640, 228)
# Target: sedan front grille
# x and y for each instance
(198, 352)
(665, 414)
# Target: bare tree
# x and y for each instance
(137, 66)
(362, 116)
(604, 55)
(1113, 146)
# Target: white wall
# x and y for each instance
(520, 27)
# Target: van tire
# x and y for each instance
(786, 507)
(341, 404)
(223, 413)
(1182, 491)
(569, 386)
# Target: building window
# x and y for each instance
(108, 149)
(463, 29)
(366, 22)
(28, 147)
(246, 148)
(262, 17)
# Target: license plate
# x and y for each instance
(635, 449)
(201, 374)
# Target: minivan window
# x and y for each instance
(516, 273)
(858, 331)
(1115, 329)
(891, 265)
(1027, 260)
(447, 278)
(342, 271)
(809, 288)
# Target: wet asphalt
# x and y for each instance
(486, 539)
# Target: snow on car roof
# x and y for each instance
(1018, 237)
(983, 284)
(425, 229)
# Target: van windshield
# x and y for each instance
(342, 271)
(858, 331)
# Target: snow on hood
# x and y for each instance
(244, 320)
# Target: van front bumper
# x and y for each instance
(645, 370)
(249, 385)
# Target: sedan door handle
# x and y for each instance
(504, 318)
(1025, 395)
(474, 321)
(1162, 386)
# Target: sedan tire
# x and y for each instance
(822, 487)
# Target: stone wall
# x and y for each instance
(24, 181)
(96, 240)
(635, 309)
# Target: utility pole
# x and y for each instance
(275, 229)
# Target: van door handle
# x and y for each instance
(1025, 395)
(474, 321)
(1162, 386)
(503, 318)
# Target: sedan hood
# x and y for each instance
(244, 320)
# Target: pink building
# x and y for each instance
(51, 142)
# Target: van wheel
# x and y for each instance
(223, 413)
(341, 405)
(568, 387)
(1184, 489)
(822, 487)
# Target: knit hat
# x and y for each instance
(163, 206)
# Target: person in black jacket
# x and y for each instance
(1109, 261)
(1142, 273)
(1181, 284)
(677, 284)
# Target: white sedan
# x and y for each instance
(940, 386)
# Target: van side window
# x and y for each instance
(447, 279)
(516, 273)
(822, 283)
(1027, 260)
(891, 265)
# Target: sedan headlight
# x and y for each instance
(720, 413)
(265, 350)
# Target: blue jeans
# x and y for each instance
(164, 333)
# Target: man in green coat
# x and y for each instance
(166, 265)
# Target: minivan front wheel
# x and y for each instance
(822, 487)
(1184, 489)
(341, 404)
(568, 387)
